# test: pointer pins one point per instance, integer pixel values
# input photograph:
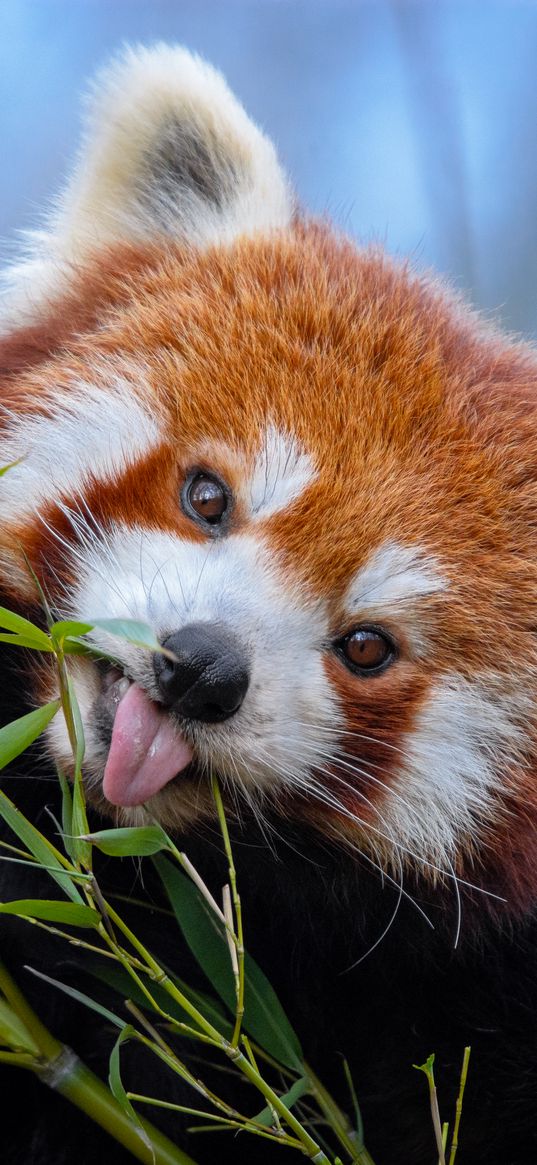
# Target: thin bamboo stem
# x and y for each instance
(458, 1107)
(338, 1121)
(238, 934)
(310, 1146)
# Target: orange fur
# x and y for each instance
(419, 419)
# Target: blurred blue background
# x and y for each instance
(412, 123)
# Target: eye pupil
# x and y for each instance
(366, 650)
(207, 498)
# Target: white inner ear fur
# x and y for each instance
(167, 149)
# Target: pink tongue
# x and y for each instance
(146, 751)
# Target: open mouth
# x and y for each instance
(147, 749)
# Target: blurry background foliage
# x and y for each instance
(414, 124)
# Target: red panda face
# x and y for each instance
(312, 474)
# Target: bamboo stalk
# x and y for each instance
(59, 1068)
(72, 1079)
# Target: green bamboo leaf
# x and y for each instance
(296, 1091)
(264, 1017)
(80, 997)
(358, 1122)
(69, 913)
(21, 733)
(12, 622)
(120, 980)
(116, 1083)
(73, 646)
(66, 627)
(134, 631)
(30, 641)
(38, 845)
(67, 816)
(130, 841)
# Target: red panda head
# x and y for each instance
(310, 471)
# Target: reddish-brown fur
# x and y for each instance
(419, 418)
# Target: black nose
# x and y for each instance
(209, 678)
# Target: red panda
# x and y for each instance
(313, 473)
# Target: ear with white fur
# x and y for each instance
(167, 150)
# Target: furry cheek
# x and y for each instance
(279, 734)
(424, 764)
(378, 712)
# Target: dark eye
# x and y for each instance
(366, 650)
(205, 498)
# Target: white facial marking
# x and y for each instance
(394, 576)
(277, 734)
(281, 473)
(452, 762)
(89, 432)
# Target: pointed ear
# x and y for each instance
(167, 150)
